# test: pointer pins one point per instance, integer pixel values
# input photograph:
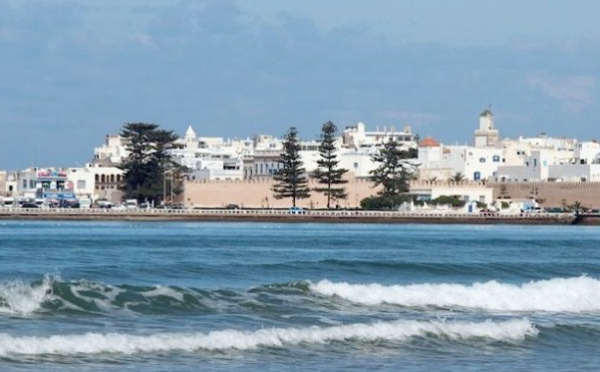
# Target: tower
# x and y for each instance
(486, 135)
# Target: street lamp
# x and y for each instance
(164, 199)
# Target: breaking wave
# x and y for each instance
(578, 294)
(51, 295)
(400, 331)
(54, 296)
(19, 298)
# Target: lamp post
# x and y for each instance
(355, 185)
(164, 199)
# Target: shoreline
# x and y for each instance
(284, 216)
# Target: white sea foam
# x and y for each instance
(103, 296)
(578, 294)
(19, 298)
(94, 343)
(164, 291)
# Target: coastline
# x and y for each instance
(311, 216)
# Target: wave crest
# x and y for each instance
(19, 298)
(94, 343)
(555, 295)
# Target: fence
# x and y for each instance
(166, 214)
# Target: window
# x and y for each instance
(496, 158)
(477, 176)
(81, 184)
(482, 160)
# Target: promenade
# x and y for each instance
(283, 215)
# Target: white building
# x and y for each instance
(560, 150)
(587, 153)
(532, 159)
(536, 168)
(466, 191)
(443, 162)
(113, 151)
(358, 137)
(106, 182)
(541, 166)
(474, 163)
(51, 184)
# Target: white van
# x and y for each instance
(131, 203)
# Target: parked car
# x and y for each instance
(29, 204)
(296, 210)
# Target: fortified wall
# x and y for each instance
(552, 194)
(258, 193)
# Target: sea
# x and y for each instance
(253, 296)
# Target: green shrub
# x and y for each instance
(383, 202)
(448, 200)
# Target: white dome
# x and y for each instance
(190, 133)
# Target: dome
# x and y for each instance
(189, 133)
(429, 142)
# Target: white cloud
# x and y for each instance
(575, 92)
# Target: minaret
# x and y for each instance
(190, 135)
(486, 135)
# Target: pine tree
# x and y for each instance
(146, 167)
(394, 172)
(291, 177)
(327, 172)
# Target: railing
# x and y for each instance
(347, 214)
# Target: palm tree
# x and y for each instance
(458, 177)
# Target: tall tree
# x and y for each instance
(148, 162)
(327, 173)
(394, 172)
(291, 180)
(457, 177)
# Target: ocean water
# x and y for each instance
(131, 296)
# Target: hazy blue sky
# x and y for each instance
(73, 71)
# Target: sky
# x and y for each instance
(72, 72)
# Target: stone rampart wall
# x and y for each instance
(552, 194)
(258, 194)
